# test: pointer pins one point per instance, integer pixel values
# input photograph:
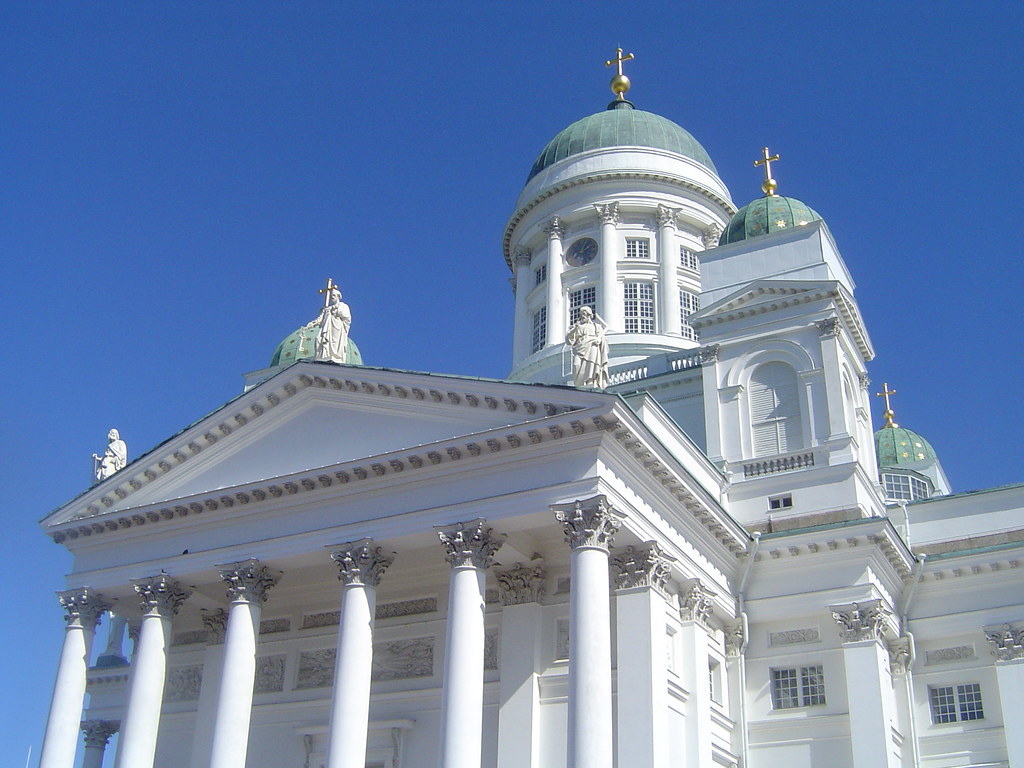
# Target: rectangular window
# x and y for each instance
(896, 486)
(951, 703)
(779, 503)
(540, 329)
(639, 308)
(688, 259)
(715, 680)
(540, 274)
(638, 248)
(584, 297)
(689, 302)
(798, 687)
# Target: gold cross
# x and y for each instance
(768, 185)
(327, 291)
(888, 408)
(620, 83)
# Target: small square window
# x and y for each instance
(798, 687)
(638, 248)
(779, 503)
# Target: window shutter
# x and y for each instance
(775, 422)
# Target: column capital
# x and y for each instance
(248, 580)
(97, 733)
(1006, 640)
(696, 602)
(608, 213)
(828, 328)
(864, 380)
(647, 566)
(710, 236)
(82, 607)
(216, 625)
(554, 229)
(899, 655)
(861, 621)
(522, 257)
(359, 562)
(735, 638)
(520, 584)
(709, 353)
(667, 216)
(588, 523)
(469, 545)
(160, 595)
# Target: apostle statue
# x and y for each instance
(589, 351)
(113, 459)
(334, 321)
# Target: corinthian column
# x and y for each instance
(609, 305)
(523, 331)
(83, 608)
(97, 735)
(556, 310)
(360, 568)
(248, 582)
(589, 526)
(469, 548)
(160, 596)
(668, 272)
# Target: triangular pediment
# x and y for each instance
(315, 415)
(758, 295)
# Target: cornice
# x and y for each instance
(242, 413)
(519, 215)
(799, 543)
(359, 473)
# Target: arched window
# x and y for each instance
(775, 410)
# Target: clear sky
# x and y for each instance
(178, 180)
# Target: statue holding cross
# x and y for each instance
(334, 321)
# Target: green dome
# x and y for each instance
(621, 125)
(767, 214)
(301, 345)
(896, 445)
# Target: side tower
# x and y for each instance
(786, 405)
(615, 212)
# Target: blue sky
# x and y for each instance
(177, 180)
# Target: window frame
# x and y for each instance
(539, 336)
(644, 319)
(955, 703)
(807, 688)
(640, 244)
(576, 302)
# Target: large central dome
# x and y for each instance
(621, 125)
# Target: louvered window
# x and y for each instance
(775, 410)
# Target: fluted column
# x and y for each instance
(869, 692)
(83, 609)
(519, 707)
(160, 596)
(248, 582)
(97, 736)
(668, 273)
(469, 548)
(589, 527)
(642, 669)
(609, 303)
(360, 568)
(1007, 643)
(523, 332)
(556, 302)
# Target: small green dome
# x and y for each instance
(895, 446)
(621, 125)
(767, 214)
(300, 344)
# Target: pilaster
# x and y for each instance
(1007, 644)
(215, 622)
(696, 602)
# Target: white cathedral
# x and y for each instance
(711, 561)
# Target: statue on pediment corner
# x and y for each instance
(589, 350)
(334, 322)
(114, 458)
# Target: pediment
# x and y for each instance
(763, 295)
(314, 415)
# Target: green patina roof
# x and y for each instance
(896, 446)
(301, 345)
(621, 125)
(767, 214)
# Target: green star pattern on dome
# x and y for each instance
(898, 445)
(772, 213)
(300, 344)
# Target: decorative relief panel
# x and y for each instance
(491, 649)
(794, 636)
(183, 683)
(383, 611)
(270, 674)
(191, 637)
(325, 619)
(270, 626)
(403, 659)
(316, 668)
(562, 640)
(947, 655)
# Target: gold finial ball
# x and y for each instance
(620, 84)
(769, 186)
